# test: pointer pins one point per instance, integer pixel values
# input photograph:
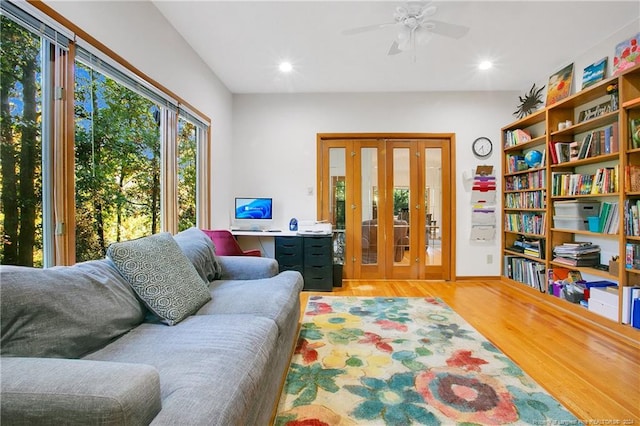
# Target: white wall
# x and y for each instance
(592, 54)
(274, 152)
(139, 33)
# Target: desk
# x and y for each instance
(248, 233)
(261, 240)
(310, 254)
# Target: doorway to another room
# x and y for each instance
(391, 197)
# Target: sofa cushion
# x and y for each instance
(161, 275)
(51, 391)
(273, 298)
(212, 368)
(64, 311)
(201, 251)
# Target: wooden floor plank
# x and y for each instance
(595, 374)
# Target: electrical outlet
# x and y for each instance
(489, 258)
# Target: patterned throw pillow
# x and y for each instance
(161, 275)
(199, 249)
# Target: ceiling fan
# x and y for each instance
(415, 26)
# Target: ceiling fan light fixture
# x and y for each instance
(414, 27)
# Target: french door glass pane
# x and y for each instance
(117, 171)
(433, 203)
(21, 216)
(369, 202)
(337, 201)
(187, 148)
(401, 203)
(337, 194)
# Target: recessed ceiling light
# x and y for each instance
(485, 65)
(286, 67)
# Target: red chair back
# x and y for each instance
(226, 244)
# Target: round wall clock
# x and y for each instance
(482, 147)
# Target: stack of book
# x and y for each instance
(603, 181)
(609, 218)
(516, 137)
(525, 271)
(598, 142)
(530, 247)
(577, 254)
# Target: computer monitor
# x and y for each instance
(253, 208)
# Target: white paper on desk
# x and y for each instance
(483, 232)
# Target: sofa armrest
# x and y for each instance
(77, 392)
(247, 267)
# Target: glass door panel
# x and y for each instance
(337, 187)
(337, 205)
(400, 234)
(370, 246)
(433, 205)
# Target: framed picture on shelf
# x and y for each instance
(559, 86)
(594, 112)
(594, 73)
(627, 54)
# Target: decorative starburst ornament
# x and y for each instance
(530, 102)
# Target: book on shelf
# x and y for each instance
(634, 133)
(574, 276)
(595, 143)
(629, 294)
(516, 163)
(584, 147)
(553, 155)
(577, 254)
(525, 271)
(577, 244)
(609, 217)
(632, 178)
(631, 217)
(603, 181)
(529, 246)
(563, 151)
(583, 261)
(574, 151)
(635, 312)
(516, 137)
(632, 256)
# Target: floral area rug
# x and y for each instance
(404, 361)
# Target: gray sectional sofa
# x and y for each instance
(160, 332)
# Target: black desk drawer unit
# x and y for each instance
(312, 256)
(289, 253)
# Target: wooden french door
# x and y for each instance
(392, 197)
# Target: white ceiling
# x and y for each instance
(243, 42)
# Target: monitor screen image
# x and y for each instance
(254, 208)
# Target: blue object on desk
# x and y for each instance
(293, 224)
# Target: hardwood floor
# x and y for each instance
(594, 373)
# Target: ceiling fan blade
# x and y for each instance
(394, 49)
(446, 29)
(359, 30)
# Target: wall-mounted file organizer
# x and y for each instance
(483, 199)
